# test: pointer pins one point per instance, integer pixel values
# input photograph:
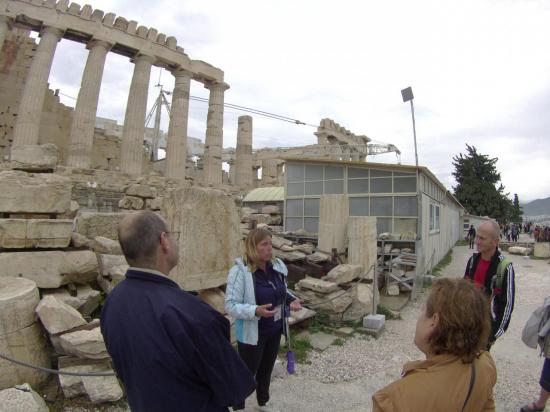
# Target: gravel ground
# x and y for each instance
(343, 378)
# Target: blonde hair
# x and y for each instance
(254, 238)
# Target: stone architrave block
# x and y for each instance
(206, 223)
(131, 202)
(343, 273)
(85, 301)
(333, 222)
(112, 266)
(92, 224)
(519, 250)
(103, 245)
(542, 250)
(35, 233)
(57, 316)
(34, 158)
(317, 285)
(50, 269)
(271, 210)
(140, 190)
(21, 192)
(78, 240)
(13, 233)
(22, 398)
(87, 344)
(215, 298)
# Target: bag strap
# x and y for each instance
(502, 265)
(471, 387)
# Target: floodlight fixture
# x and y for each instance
(407, 95)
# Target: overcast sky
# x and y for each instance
(480, 73)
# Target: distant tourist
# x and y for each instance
(171, 350)
(457, 374)
(494, 275)
(472, 236)
(257, 297)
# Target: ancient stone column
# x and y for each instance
(82, 128)
(133, 132)
(243, 156)
(176, 150)
(269, 172)
(32, 99)
(4, 29)
(362, 243)
(231, 173)
(212, 170)
(333, 222)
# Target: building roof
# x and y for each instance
(266, 194)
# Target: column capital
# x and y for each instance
(52, 30)
(99, 43)
(142, 57)
(222, 86)
(179, 72)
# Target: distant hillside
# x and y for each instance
(537, 207)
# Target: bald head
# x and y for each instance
(139, 234)
(491, 228)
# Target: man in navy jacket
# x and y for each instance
(171, 350)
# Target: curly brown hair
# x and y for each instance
(464, 318)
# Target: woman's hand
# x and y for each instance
(264, 311)
(296, 305)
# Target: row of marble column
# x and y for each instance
(26, 131)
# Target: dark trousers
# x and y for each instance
(260, 359)
(545, 375)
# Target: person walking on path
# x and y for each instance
(472, 236)
(494, 274)
(171, 350)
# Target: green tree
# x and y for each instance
(479, 188)
(517, 211)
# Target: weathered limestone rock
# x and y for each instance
(301, 315)
(71, 213)
(85, 301)
(343, 273)
(106, 246)
(271, 210)
(22, 398)
(20, 336)
(362, 302)
(289, 256)
(34, 158)
(91, 224)
(57, 316)
(207, 223)
(22, 192)
(335, 302)
(333, 221)
(13, 233)
(102, 389)
(317, 285)
(246, 212)
(519, 250)
(154, 204)
(50, 269)
(393, 289)
(215, 298)
(86, 344)
(56, 339)
(78, 240)
(144, 191)
(362, 243)
(112, 269)
(318, 257)
(131, 202)
(275, 220)
(306, 248)
(278, 242)
(258, 218)
(35, 233)
(542, 250)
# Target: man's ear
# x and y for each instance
(164, 241)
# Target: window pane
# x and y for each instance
(358, 186)
(405, 205)
(379, 173)
(295, 173)
(382, 185)
(381, 206)
(314, 188)
(383, 224)
(293, 223)
(358, 206)
(404, 225)
(294, 207)
(334, 172)
(334, 187)
(356, 172)
(404, 184)
(311, 207)
(311, 224)
(396, 173)
(314, 172)
(295, 189)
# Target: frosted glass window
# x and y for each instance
(380, 173)
(381, 185)
(404, 184)
(314, 172)
(404, 225)
(334, 187)
(383, 224)
(293, 223)
(295, 189)
(354, 172)
(358, 186)
(311, 224)
(295, 173)
(358, 206)
(314, 188)
(334, 172)
(381, 206)
(294, 207)
(311, 207)
(405, 205)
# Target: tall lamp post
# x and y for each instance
(407, 95)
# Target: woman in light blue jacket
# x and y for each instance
(257, 297)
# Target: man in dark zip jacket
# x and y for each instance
(494, 275)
